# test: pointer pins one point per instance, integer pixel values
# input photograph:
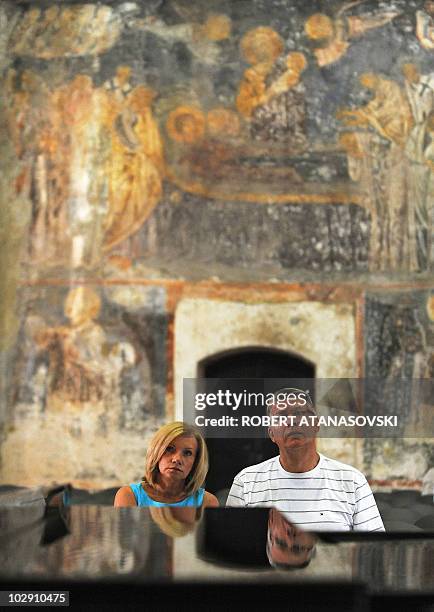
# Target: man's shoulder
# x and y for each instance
(333, 465)
(251, 471)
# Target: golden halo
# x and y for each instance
(318, 26)
(297, 61)
(262, 44)
(186, 124)
(217, 27)
(223, 122)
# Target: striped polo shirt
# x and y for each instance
(331, 497)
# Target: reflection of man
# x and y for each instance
(314, 492)
(287, 546)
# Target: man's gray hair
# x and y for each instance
(282, 396)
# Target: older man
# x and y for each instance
(313, 491)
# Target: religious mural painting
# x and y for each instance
(88, 350)
(115, 111)
(399, 370)
(87, 370)
(189, 140)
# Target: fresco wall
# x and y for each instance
(167, 149)
(399, 340)
(86, 381)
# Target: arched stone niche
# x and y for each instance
(322, 333)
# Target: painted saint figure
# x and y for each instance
(420, 94)
(135, 165)
(388, 112)
(271, 95)
(387, 120)
(425, 26)
(365, 156)
(39, 138)
(429, 162)
(82, 109)
(119, 85)
(83, 366)
(76, 351)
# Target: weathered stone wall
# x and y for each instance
(166, 163)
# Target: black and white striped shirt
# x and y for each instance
(331, 497)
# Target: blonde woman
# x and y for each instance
(176, 467)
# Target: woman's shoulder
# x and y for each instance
(125, 497)
(209, 500)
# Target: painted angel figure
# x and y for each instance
(334, 35)
(200, 37)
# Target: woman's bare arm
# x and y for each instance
(210, 501)
(124, 497)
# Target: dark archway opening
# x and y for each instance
(230, 455)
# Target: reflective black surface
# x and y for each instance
(140, 545)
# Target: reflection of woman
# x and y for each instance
(176, 467)
(176, 521)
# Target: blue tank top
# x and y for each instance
(143, 499)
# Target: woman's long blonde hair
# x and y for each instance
(169, 524)
(158, 444)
